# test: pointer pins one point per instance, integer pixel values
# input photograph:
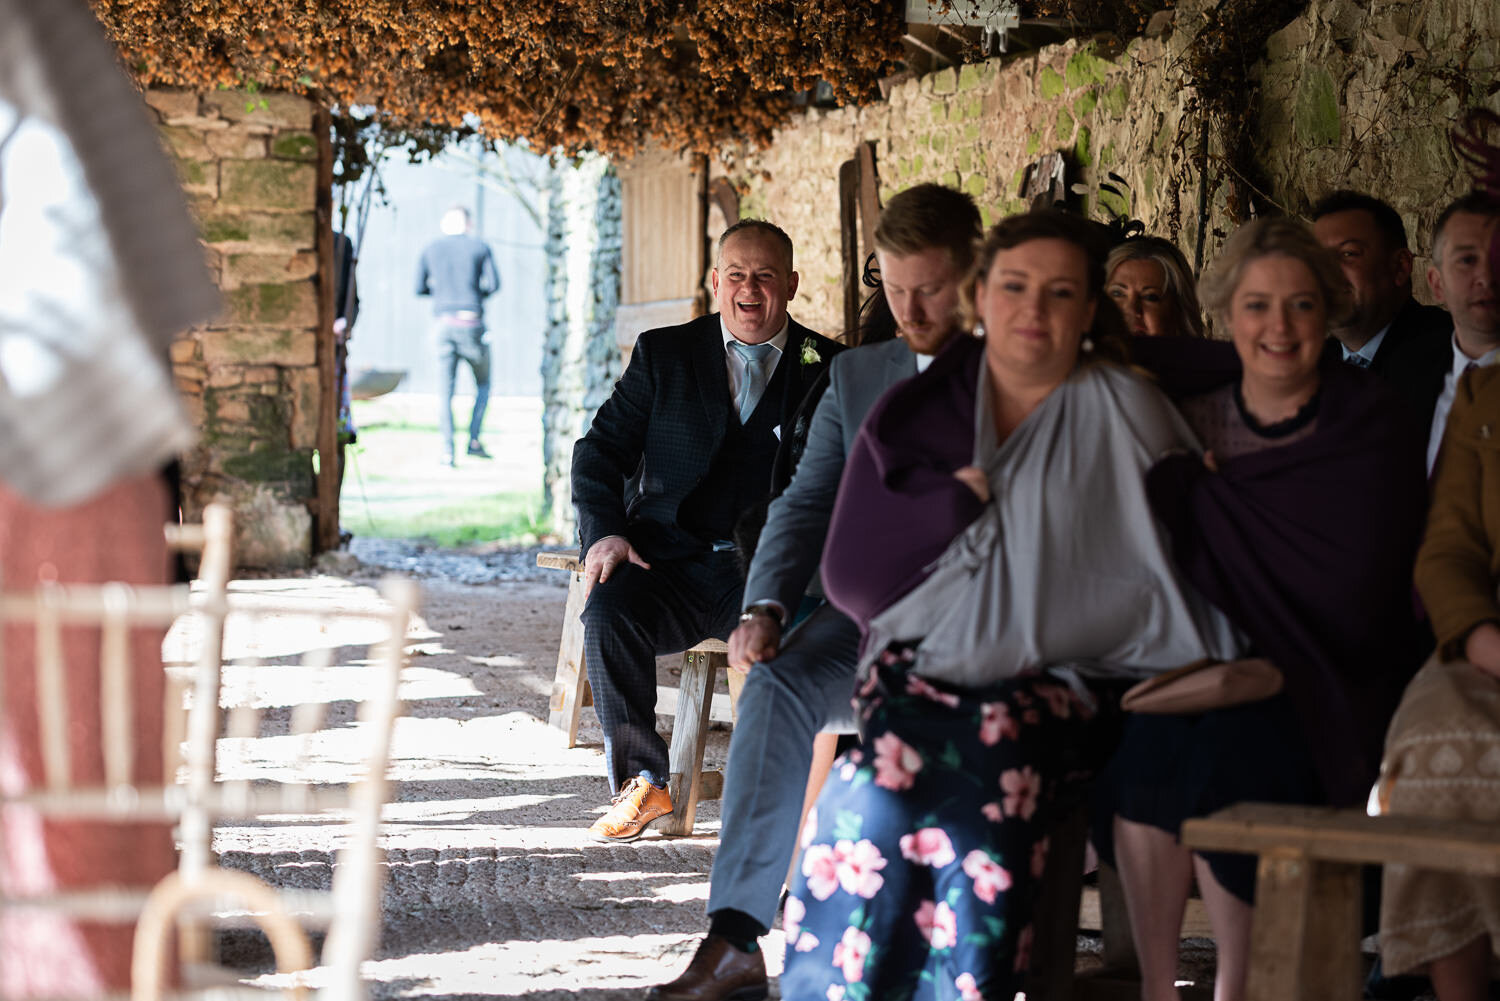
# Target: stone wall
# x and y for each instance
(1353, 94)
(248, 163)
(580, 357)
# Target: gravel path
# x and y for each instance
(494, 889)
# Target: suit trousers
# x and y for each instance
(630, 619)
(807, 688)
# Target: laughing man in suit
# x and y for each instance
(681, 448)
(802, 683)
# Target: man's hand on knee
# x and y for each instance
(756, 639)
(604, 556)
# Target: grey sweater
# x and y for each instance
(458, 272)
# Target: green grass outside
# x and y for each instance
(395, 487)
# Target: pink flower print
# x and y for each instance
(849, 955)
(791, 916)
(859, 868)
(1039, 858)
(923, 917)
(929, 846)
(919, 686)
(937, 923)
(992, 812)
(820, 867)
(809, 828)
(944, 926)
(1031, 717)
(1023, 949)
(1021, 785)
(968, 989)
(806, 942)
(1059, 699)
(995, 722)
(990, 877)
(896, 764)
(835, 992)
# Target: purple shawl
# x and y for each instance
(1308, 548)
(898, 504)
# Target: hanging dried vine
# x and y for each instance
(605, 75)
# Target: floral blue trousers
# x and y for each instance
(921, 859)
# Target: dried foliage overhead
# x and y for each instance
(605, 75)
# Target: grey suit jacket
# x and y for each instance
(791, 546)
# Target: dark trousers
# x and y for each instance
(629, 621)
(465, 344)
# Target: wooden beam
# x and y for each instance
(326, 515)
(869, 196)
(849, 240)
(1349, 836)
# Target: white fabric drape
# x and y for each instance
(100, 265)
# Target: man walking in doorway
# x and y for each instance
(458, 272)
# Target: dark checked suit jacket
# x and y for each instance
(653, 441)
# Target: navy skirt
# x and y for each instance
(1170, 768)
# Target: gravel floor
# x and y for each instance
(494, 890)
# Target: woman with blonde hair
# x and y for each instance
(1300, 521)
(1151, 283)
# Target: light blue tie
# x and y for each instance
(757, 358)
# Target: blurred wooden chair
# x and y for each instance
(198, 895)
(201, 896)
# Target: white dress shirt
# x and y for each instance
(1461, 362)
(1367, 350)
(737, 364)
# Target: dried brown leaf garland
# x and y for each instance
(698, 75)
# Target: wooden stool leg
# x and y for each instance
(1054, 947)
(737, 681)
(689, 733)
(1304, 944)
(1114, 921)
(570, 689)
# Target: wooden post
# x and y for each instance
(326, 530)
(849, 240)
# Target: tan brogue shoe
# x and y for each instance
(718, 972)
(638, 804)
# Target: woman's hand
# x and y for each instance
(973, 477)
(1482, 648)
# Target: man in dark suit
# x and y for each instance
(926, 242)
(1390, 333)
(682, 447)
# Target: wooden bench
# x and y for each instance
(1304, 942)
(691, 707)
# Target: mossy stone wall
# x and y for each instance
(248, 164)
(1346, 94)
